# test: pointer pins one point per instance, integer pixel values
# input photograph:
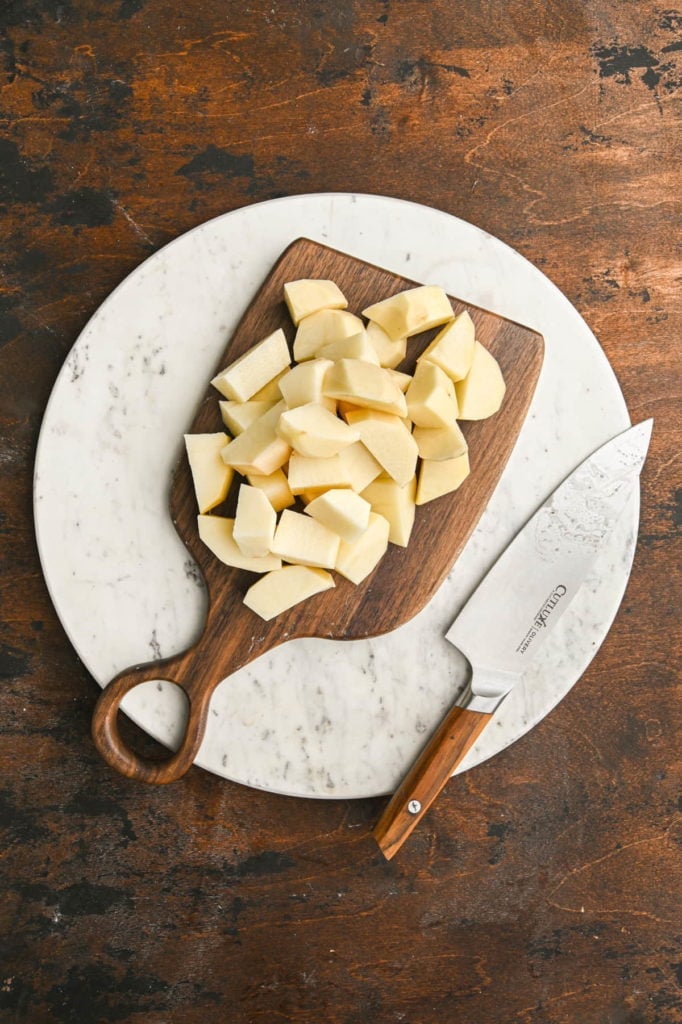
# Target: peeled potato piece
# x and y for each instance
(481, 392)
(440, 442)
(237, 416)
(310, 295)
(390, 442)
(342, 511)
(453, 348)
(355, 347)
(246, 375)
(284, 588)
(275, 487)
(270, 392)
(317, 475)
(394, 503)
(358, 559)
(360, 465)
(217, 533)
(315, 432)
(431, 400)
(255, 521)
(259, 449)
(301, 540)
(322, 328)
(304, 383)
(438, 478)
(371, 387)
(412, 311)
(210, 475)
(390, 351)
(401, 380)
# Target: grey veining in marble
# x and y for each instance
(313, 717)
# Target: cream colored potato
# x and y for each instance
(322, 328)
(307, 496)
(237, 416)
(254, 523)
(481, 392)
(217, 533)
(303, 541)
(210, 475)
(275, 487)
(246, 375)
(394, 503)
(310, 295)
(401, 380)
(317, 475)
(360, 466)
(355, 347)
(453, 348)
(270, 392)
(390, 442)
(411, 312)
(315, 432)
(342, 511)
(440, 443)
(343, 408)
(358, 559)
(304, 383)
(390, 352)
(259, 449)
(438, 478)
(284, 588)
(371, 387)
(431, 400)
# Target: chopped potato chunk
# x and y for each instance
(342, 511)
(309, 296)
(210, 475)
(284, 588)
(412, 311)
(254, 369)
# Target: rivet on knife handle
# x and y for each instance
(456, 734)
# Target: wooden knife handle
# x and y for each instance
(456, 734)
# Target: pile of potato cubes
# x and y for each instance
(354, 441)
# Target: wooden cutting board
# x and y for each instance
(404, 580)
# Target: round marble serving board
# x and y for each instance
(312, 718)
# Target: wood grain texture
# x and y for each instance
(542, 887)
(404, 580)
(427, 777)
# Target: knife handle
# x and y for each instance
(456, 734)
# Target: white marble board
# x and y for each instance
(312, 718)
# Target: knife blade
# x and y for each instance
(514, 609)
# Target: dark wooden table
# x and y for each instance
(544, 887)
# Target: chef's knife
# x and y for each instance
(513, 611)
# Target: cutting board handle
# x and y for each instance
(232, 636)
(110, 743)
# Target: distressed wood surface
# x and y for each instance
(544, 888)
